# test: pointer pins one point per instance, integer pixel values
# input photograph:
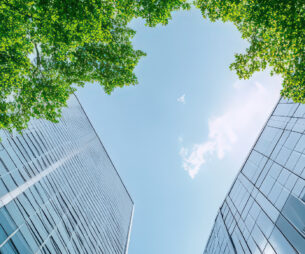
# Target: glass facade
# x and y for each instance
(264, 211)
(59, 191)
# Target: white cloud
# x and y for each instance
(235, 130)
(181, 99)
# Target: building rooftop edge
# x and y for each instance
(104, 148)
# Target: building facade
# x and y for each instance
(60, 192)
(264, 211)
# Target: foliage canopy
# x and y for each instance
(276, 33)
(49, 47)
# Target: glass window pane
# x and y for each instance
(297, 241)
(280, 244)
(294, 211)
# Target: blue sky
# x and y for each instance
(179, 137)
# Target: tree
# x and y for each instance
(276, 33)
(50, 47)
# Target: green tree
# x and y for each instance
(50, 47)
(275, 30)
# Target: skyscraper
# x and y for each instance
(59, 191)
(264, 211)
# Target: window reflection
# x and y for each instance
(280, 244)
(294, 211)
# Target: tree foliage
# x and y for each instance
(276, 33)
(49, 47)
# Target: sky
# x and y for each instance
(180, 136)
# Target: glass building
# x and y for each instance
(60, 192)
(264, 211)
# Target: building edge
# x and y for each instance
(129, 231)
(103, 147)
(243, 164)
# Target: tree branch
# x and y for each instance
(37, 56)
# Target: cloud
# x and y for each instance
(235, 130)
(181, 99)
(193, 161)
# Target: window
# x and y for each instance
(294, 211)
(297, 241)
